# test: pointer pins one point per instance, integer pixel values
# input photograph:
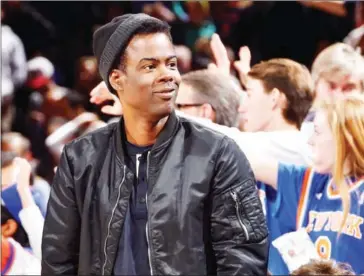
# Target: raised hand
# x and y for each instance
(222, 59)
(22, 172)
(22, 175)
(159, 10)
(101, 94)
(221, 56)
(243, 64)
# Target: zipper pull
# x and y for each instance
(234, 196)
(237, 207)
(137, 164)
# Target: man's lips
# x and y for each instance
(165, 91)
(166, 94)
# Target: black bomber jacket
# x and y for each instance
(204, 214)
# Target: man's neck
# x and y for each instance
(280, 124)
(141, 132)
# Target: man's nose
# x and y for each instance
(311, 140)
(241, 108)
(166, 75)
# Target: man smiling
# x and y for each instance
(153, 194)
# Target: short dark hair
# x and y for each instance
(324, 267)
(20, 235)
(290, 78)
(5, 215)
(145, 29)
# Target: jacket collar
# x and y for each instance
(163, 139)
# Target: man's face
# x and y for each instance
(333, 86)
(186, 101)
(257, 107)
(150, 83)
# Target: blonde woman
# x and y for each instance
(327, 199)
(337, 70)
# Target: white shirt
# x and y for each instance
(284, 146)
(24, 262)
(33, 222)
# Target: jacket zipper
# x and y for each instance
(109, 224)
(137, 164)
(237, 207)
(146, 226)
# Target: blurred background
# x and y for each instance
(48, 68)
(62, 31)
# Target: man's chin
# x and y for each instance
(162, 112)
(249, 128)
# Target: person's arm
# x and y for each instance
(245, 140)
(30, 216)
(65, 133)
(231, 132)
(290, 181)
(32, 220)
(265, 168)
(61, 234)
(258, 148)
(238, 228)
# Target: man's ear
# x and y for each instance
(279, 100)
(116, 79)
(208, 112)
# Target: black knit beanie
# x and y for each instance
(112, 38)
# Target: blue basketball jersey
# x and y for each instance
(271, 202)
(312, 201)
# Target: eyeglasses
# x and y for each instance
(179, 106)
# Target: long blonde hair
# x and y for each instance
(346, 120)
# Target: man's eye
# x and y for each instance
(173, 64)
(348, 87)
(333, 85)
(149, 67)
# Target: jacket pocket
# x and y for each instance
(247, 217)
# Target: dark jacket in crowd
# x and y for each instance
(204, 214)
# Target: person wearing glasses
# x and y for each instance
(210, 95)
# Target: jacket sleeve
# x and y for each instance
(60, 242)
(238, 228)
